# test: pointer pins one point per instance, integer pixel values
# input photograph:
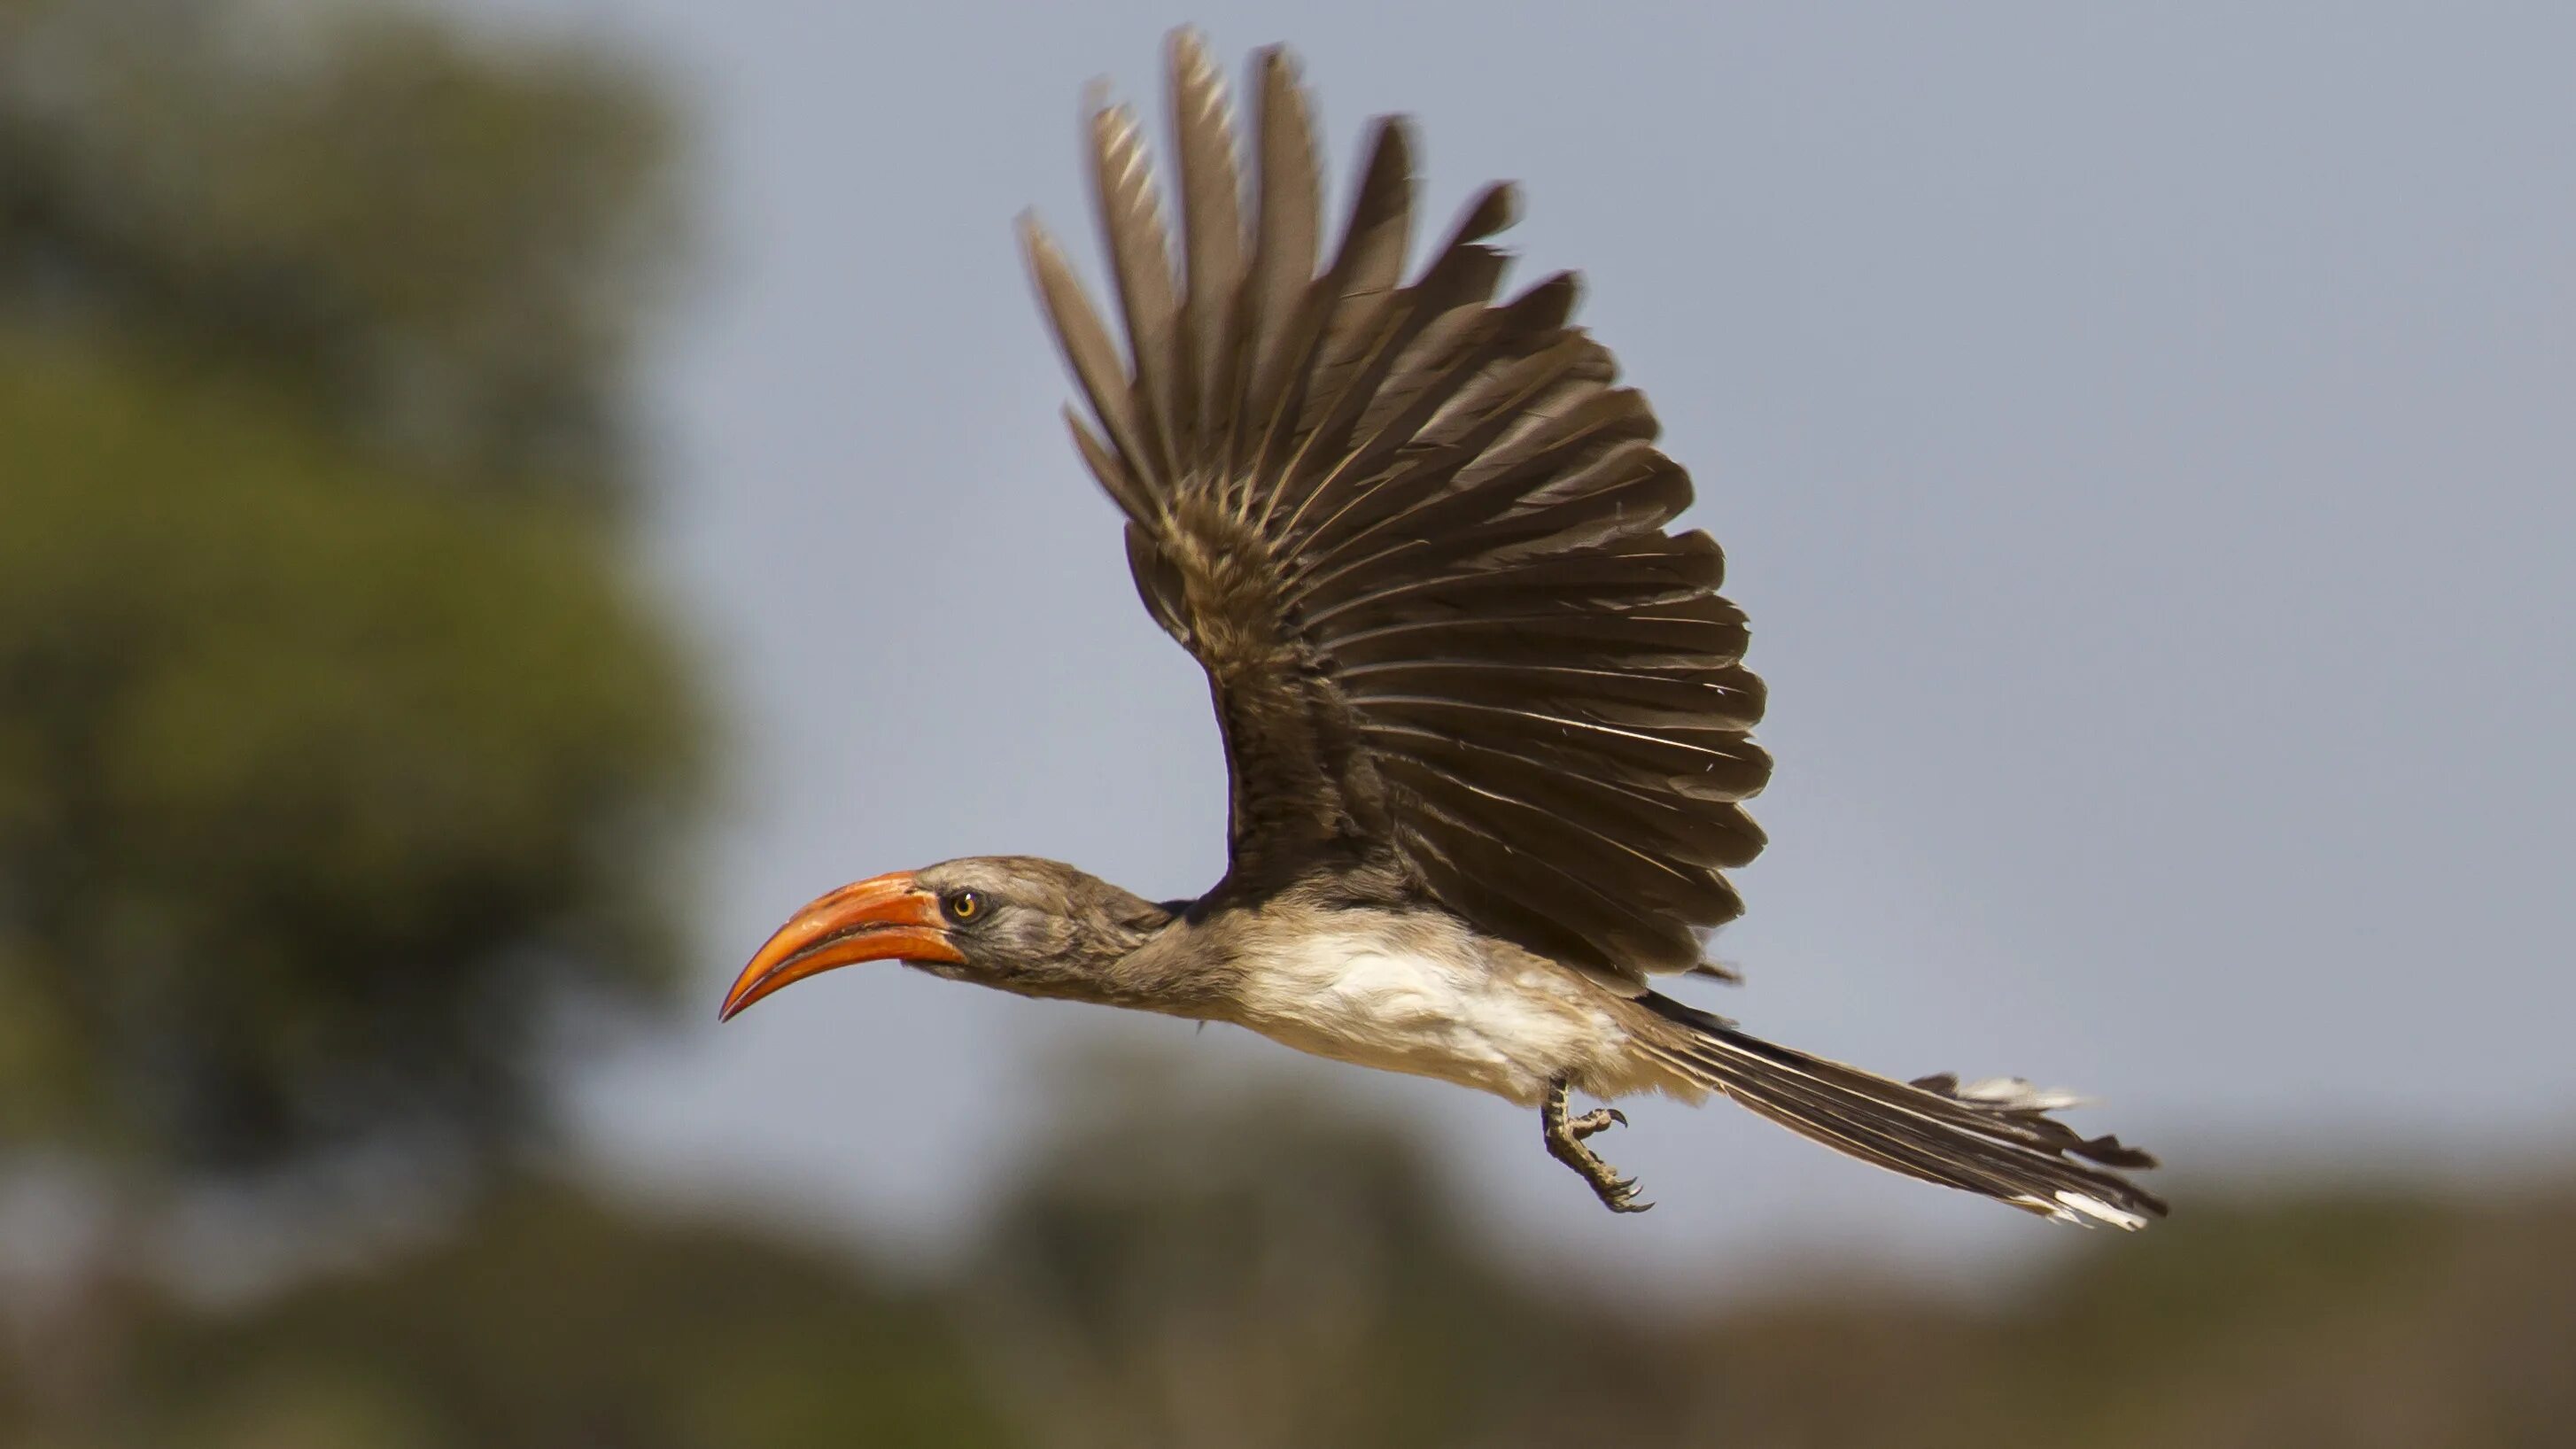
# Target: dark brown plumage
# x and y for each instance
(1485, 715)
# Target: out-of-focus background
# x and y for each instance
(501, 501)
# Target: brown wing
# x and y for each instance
(1417, 539)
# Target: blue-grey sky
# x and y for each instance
(2142, 436)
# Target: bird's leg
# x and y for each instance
(1565, 1136)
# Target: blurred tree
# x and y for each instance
(1257, 1271)
(553, 1322)
(1248, 1271)
(442, 245)
(338, 751)
(316, 791)
(337, 748)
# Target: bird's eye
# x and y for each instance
(963, 905)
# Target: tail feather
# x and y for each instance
(1992, 1137)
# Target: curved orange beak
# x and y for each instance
(885, 918)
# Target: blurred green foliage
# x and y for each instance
(1263, 1274)
(552, 1321)
(314, 785)
(1189, 1265)
(444, 245)
(338, 749)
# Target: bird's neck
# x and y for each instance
(1114, 948)
(1148, 957)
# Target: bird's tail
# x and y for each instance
(1993, 1137)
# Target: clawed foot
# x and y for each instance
(1564, 1136)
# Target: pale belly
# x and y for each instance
(1436, 1007)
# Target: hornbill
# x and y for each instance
(1485, 716)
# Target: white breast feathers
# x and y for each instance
(1406, 993)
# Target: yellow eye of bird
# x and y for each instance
(965, 905)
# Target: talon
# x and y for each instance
(1620, 1196)
(1564, 1136)
(1599, 1119)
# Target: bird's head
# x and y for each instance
(1038, 927)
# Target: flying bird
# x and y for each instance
(1485, 714)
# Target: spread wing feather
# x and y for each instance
(1417, 537)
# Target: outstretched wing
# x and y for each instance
(1417, 539)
